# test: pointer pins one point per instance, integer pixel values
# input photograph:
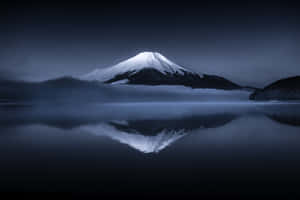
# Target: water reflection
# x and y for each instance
(152, 136)
(136, 140)
(148, 128)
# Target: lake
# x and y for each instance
(152, 149)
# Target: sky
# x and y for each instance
(251, 43)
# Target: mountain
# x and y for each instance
(284, 89)
(152, 68)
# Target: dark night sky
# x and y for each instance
(249, 43)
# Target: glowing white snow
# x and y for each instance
(133, 65)
(123, 81)
(142, 143)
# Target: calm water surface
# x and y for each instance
(152, 149)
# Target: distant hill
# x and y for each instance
(284, 89)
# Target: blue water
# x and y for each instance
(150, 149)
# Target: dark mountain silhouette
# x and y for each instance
(154, 77)
(189, 123)
(284, 89)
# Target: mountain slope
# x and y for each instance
(284, 89)
(131, 66)
(151, 68)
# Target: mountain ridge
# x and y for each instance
(152, 68)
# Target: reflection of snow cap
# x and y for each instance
(145, 144)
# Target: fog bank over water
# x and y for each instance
(72, 91)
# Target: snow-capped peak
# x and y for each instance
(134, 64)
(154, 60)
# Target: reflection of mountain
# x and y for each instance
(152, 136)
(146, 128)
(285, 114)
(138, 141)
(292, 120)
(188, 123)
(146, 135)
